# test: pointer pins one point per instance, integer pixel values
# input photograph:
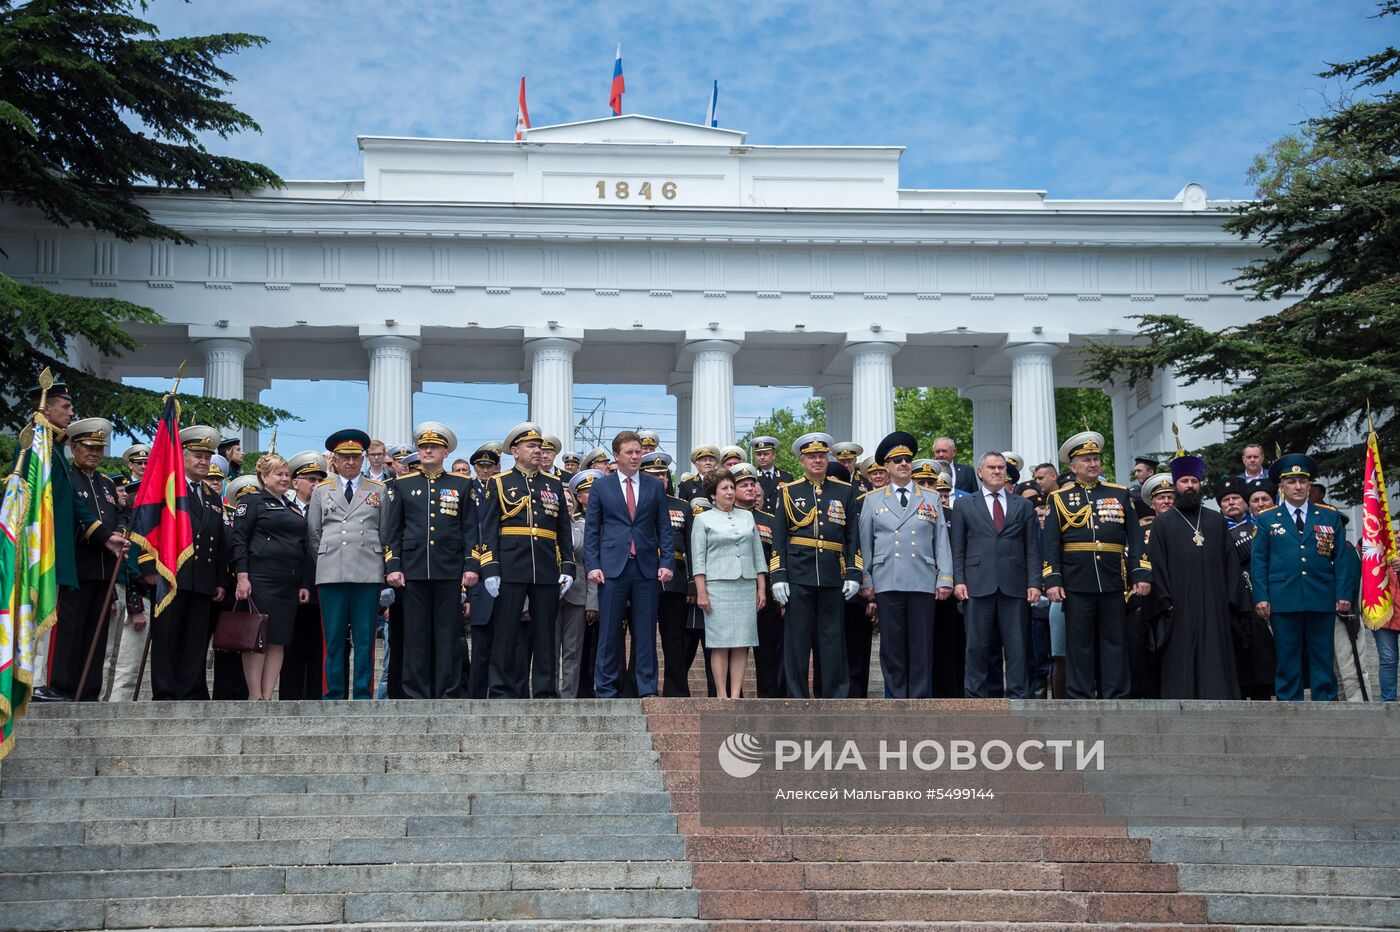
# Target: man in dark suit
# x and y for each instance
(996, 567)
(629, 544)
(946, 451)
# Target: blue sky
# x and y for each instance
(1082, 99)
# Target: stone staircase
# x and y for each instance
(585, 814)
(1211, 816)
(417, 814)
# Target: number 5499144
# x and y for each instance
(621, 190)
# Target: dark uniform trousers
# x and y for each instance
(678, 642)
(860, 636)
(509, 663)
(1094, 625)
(433, 668)
(393, 634)
(768, 654)
(808, 607)
(996, 622)
(905, 618)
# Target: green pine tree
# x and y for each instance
(96, 110)
(1328, 209)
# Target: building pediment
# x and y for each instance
(636, 129)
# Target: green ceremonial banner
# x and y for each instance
(28, 579)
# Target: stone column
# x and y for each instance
(712, 387)
(224, 357)
(254, 384)
(836, 397)
(872, 387)
(1122, 454)
(991, 419)
(681, 390)
(1033, 401)
(551, 355)
(390, 381)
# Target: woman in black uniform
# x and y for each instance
(270, 560)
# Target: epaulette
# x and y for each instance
(1064, 488)
(415, 471)
(689, 477)
(372, 481)
(325, 481)
(1322, 505)
(837, 481)
(1112, 485)
(863, 494)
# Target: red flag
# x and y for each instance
(1377, 543)
(618, 86)
(522, 114)
(160, 519)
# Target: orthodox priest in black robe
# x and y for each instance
(1196, 587)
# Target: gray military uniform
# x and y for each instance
(907, 556)
(905, 548)
(345, 536)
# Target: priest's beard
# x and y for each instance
(1188, 501)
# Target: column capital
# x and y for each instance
(1024, 344)
(872, 348)
(830, 385)
(986, 391)
(874, 341)
(394, 341)
(200, 332)
(563, 334)
(679, 384)
(706, 341)
(240, 346)
(410, 333)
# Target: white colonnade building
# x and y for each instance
(639, 250)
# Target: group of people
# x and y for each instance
(556, 577)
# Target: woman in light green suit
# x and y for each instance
(727, 563)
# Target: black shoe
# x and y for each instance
(44, 694)
(1038, 690)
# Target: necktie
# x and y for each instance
(349, 491)
(631, 512)
(998, 516)
(903, 498)
(1298, 519)
(195, 491)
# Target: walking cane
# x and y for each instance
(1356, 660)
(145, 652)
(97, 633)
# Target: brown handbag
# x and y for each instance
(244, 632)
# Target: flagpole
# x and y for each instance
(101, 628)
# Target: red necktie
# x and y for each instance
(631, 511)
(998, 516)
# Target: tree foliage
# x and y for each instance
(786, 425)
(95, 105)
(1329, 213)
(96, 109)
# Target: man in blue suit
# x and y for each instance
(629, 548)
(1299, 580)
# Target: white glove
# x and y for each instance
(463, 600)
(386, 597)
(849, 588)
(781, 592)
(565, 581)
(493, 586)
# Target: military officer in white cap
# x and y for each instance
(1092, 561)
(527, 532)
(705, 459)
(815, 548)
(429, 532)
(770, 476)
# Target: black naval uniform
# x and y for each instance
(527, 531)
(229, 682)
(304, 661)
(84, 610)
(1144, 659)
(768, 655)
(1092, 550)
(180, 633)
(770, 481)
(678, 642)
(1256, 659)
(692, 486)
(429, 534)
(815, 546)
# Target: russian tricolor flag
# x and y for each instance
(615, 97)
